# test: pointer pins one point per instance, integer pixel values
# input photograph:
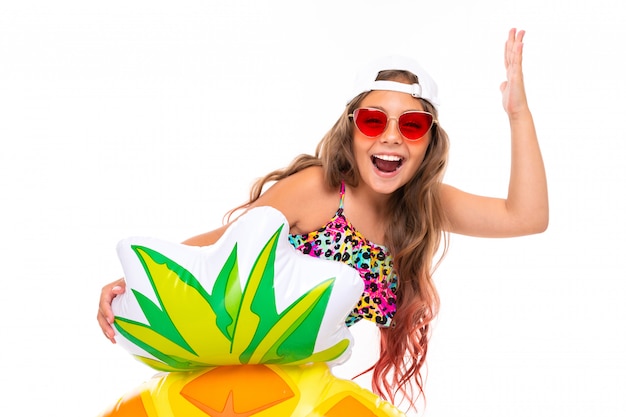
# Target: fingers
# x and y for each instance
(105, 315)
(107, 329)
(513, 47)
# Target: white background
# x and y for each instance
(121, 118)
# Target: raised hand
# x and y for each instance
(513, 92)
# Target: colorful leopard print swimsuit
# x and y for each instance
(339, 241)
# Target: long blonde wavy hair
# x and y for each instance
(414, 232)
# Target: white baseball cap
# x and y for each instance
(366, 78)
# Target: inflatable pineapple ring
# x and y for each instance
(248, 326)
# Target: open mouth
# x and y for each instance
(387, 163)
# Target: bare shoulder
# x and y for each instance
(447, 193)
(304, 198)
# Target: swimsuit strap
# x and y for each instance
(342, 193)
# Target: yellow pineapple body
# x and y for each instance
(252, 390)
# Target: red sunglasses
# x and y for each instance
(413, 124)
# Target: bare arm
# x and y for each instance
(525, 209)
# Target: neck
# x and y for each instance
(367, 211)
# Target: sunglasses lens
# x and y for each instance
(414, 125)
(370, 122)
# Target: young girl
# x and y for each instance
(373, 197)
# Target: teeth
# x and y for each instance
(388, 157)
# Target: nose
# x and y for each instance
(392, 133)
